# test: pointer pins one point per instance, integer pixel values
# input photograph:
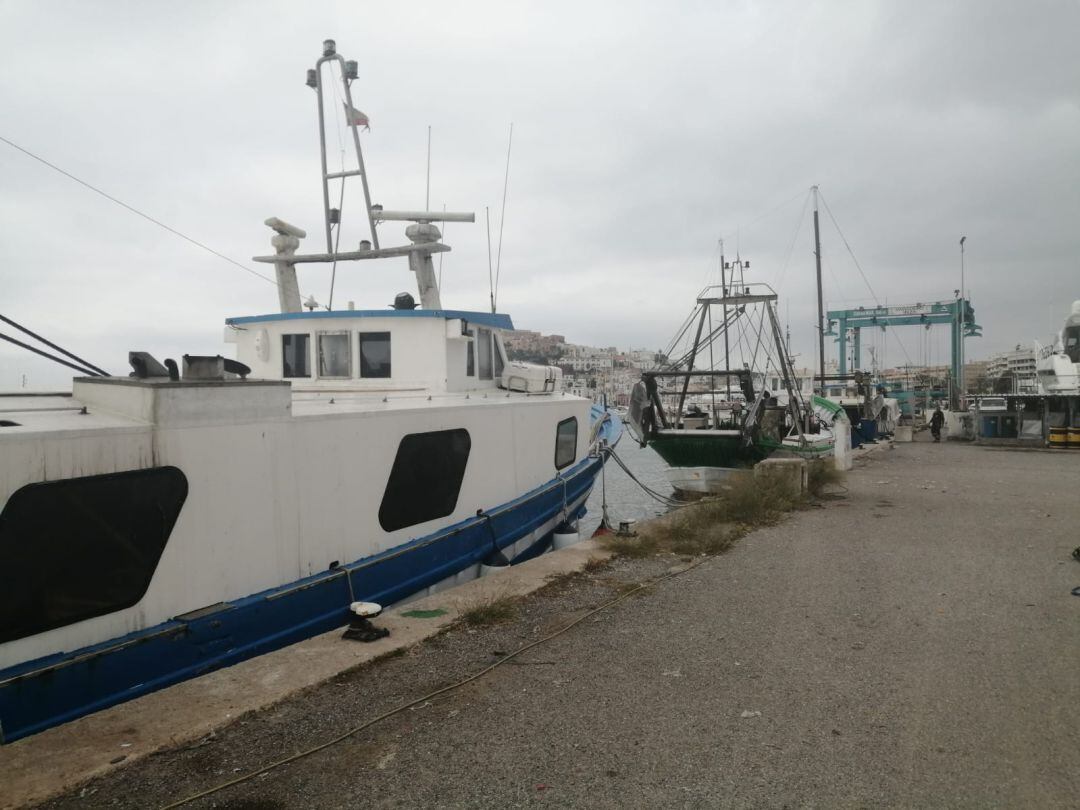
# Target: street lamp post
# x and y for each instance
(963, 321)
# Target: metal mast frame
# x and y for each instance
(315, 80)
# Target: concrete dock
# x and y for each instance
(911, 643)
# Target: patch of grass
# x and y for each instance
(755, 501)
(822, 476)
(713, 524)
(489, 609)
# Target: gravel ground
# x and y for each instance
(910, 644)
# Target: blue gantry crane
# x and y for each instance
(958, 313)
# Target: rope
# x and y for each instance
(136, 211)
(52, 357)
(664, 499)
(432, 695)
(52, 345)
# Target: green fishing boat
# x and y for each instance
(675, 410)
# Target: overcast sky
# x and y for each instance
(643, 134)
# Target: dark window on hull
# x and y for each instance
(83, 547)
(426, 478)
(566, 443)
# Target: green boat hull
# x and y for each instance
(727, 451)
(708, 451)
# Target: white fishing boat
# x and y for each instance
(191, 515)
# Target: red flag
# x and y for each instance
(355, 118)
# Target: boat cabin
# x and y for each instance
(374, 350)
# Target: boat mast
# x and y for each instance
(820, 306)
(314, 80)
(723, 289)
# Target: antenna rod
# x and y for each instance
(491, 287)
(502, 214)
(427, 191)
(820, 306)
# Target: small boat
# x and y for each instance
(159, 525)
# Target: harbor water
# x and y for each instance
(625, 498)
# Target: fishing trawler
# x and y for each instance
(749, 424)
(190, 515)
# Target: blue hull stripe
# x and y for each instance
(39, 694)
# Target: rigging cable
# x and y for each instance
(858, 266)
(52, 357)
(760, 217)
(136, 211)
(95, 371)
(794, 239)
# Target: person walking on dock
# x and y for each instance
(936, 421)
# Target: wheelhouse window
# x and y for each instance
(77, 548)
(294, 356)
(374, 354)
(484, 354)
(1072, 343)
(426, 478)
(334, 356)
(566, 443)
(498, 355)
(470, 355)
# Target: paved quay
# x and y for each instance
(913, 643)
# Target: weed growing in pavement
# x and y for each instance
(487, 609)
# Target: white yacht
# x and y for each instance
(1057, 366)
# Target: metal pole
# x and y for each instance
(322, 152)
(359, 159)
(712, 367)
(727, 352)
(690, 365)
(963, 320)
(820, 304)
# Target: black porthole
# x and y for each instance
(426, 478)
(83, 547)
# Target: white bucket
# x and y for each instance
(902, 433)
